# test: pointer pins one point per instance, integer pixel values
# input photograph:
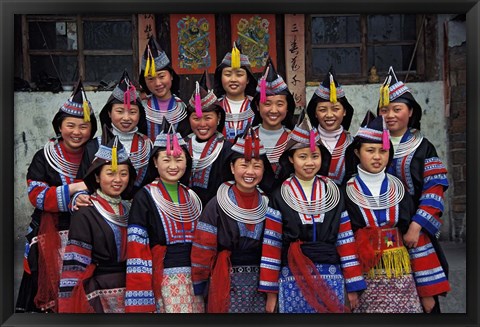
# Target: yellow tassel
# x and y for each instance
(86, 111)
(386, 95)
(333, 90)
(147, 67)
(380, 101)
(153, 71)
(235, 57)
(114, 159)
(394, 263)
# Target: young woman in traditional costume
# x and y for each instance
(162, 220)
(331, 113)
(207, 146)
(161, 84)
(94, 269)
(236, 246)
(274, 107)
(123, 116)
(319, 261)
(380, 211)
(422, 172)
(234, 85)
(51, 182)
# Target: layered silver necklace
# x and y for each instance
(199, 164)
(391, 197)
(405, 148)
(59, 163)
(242, 215)
(140, 157)
(114, 218)
(314, 207)
(176, 115)
(180, 212)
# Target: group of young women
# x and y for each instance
(224, 204)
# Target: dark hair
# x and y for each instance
(218, 89)
(312, 108)
(107, 108)
(153, 172)
(212, 108)
(352, 160)
(287, 122)
(60, 117)
(127, 194)
(408, 99)
(268, 177)
(175, 89)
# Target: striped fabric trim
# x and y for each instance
(244, 61)
(396, 90)
(324, 92)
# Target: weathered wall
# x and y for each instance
(457, 137)
(34, 112)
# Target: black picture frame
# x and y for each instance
(10, 8)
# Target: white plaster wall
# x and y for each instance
(33, 116)
(34, 112)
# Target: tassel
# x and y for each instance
(385, 135)
(114, 156)
(256, 143)
(126, 98)
(153, 70)
(385, 92)
(263, 87)
(381, 101)
(86, 109)
(177, 150)
(131, 91)
(235, 57)
(395, 263)
(333, 90)
(386, 95)
(147, 66)
(248, 147)
(198, 101)
(169, 150)
(312, 140)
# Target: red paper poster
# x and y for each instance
(193, 43)
(256, 36)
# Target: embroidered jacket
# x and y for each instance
(236, 124)
(148, 228)
(205, 182)
(329, 230)
(427, 271)
(425, 178)
(216, 231)
(93, 240)
(336, 170)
